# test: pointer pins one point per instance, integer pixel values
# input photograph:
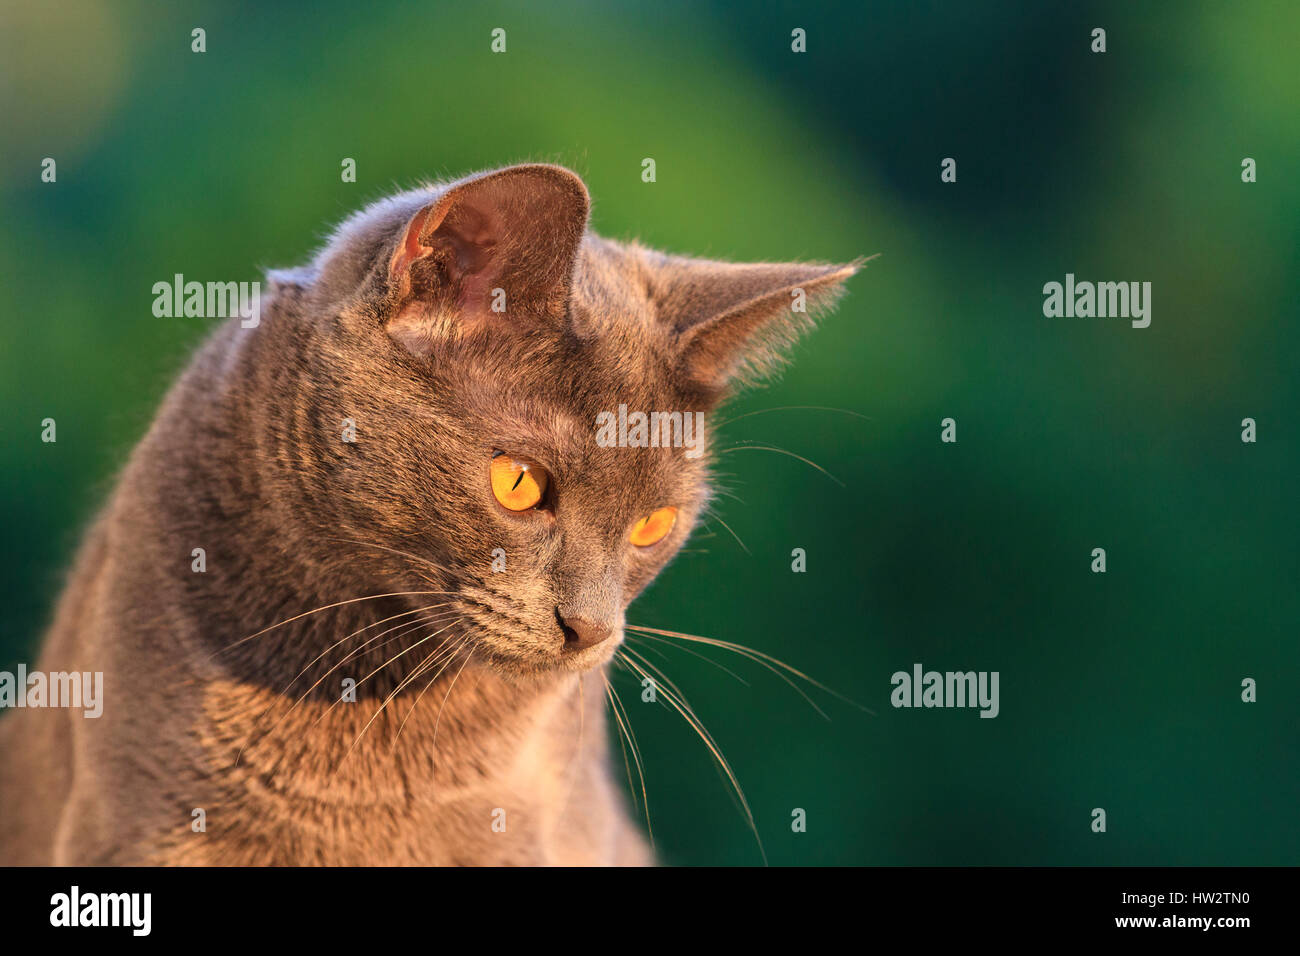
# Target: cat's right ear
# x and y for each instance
(499, 247)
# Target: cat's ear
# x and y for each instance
(737, 321)
(502, 244)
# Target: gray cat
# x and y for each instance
(417, 553)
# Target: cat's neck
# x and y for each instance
(468, 730)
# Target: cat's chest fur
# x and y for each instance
(264, 781)
(403, 784)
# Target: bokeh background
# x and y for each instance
(1119, 691)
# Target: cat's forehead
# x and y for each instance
(556, 392)
(612, 351)
(611, 285)
(601, 400)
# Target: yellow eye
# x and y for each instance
(652, 528)
(518, 486)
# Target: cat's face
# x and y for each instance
(530, 405)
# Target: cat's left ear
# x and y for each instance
(499, 244)
(736, 321)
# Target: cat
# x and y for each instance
(416, 557)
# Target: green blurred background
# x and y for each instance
(1119, 691)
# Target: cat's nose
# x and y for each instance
(581, 633)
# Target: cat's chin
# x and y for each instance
(591, 658)
(511, 664)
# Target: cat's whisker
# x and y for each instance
(689, 716)
(625, 726)
(721, 492)
(792, 408)
(759, 657)
(396, 690)
(716, 517)
(437, 651)
(636, 747)
(414, 675)
(318, 610)
(621, 745)
(649, 650)
(659, 679)
(783, 451)
(450, 657)
(687, 650)
(770, 663)
(380, 547)
(401, 628)
(437, 721)
(753, 655)
(432, 660)
(381, 667)
(661, 676)
(418, 610)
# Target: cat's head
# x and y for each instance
(497, 359)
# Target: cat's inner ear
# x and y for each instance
(502, 245)
(736, 321)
